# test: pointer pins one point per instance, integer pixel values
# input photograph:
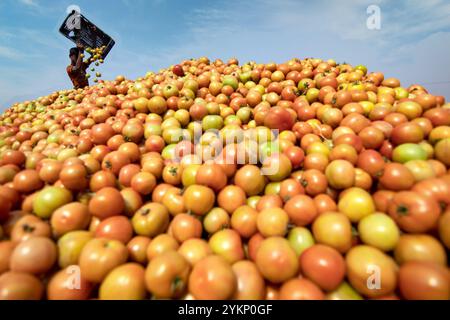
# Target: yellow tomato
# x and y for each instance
(356, 204)
(380, 231)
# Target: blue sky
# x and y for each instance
(412, 44)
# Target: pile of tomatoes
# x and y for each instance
(106, 192)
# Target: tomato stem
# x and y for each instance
(402, 210)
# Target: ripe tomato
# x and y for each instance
(296, 155)
(27, 181)
(102, 179)
(143, 182)
(231, 198)
(273, 255)
(20, 286)
(127, 173)
(126, 282)
(269, 201)
(6, 250)
(36, 255)
(333, 229)
(444, 228)
(185, 227)
(228, 244)
(211, 175)
(199, 199)
(300, 289)
(107, 202)
(301, 210)
(244, 220)
(73, 177)
(194, 250)
(290, 188)
(250, 283)
(323, 265)
(434, 188)
(28, 226)
(50, 170)
(115, 228)
(340, 174)
(133, 201)
(99, 257)
(172, 174)
(70, 217)
(212, 278)
(150, 220)
(371, 162)
(137, 249)
(272, 222)
(424, 281)
(421, 248)
(62, 286)
(371, 272)
(161, 244)
(396, 177)
(314, 182)
(414, 212)
(250, 179)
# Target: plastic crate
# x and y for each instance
(79, 29)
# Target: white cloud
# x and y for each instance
(31, 3)
(9, 53)
(408, 46)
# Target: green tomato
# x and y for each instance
(361, 68)
(407, 152)
(230, 81)
(380, 231)
(245, 76)
(401, 93)
(66, 154)
(244, 114)
(192, 85)
(212, 122)
(344, 292)
(50, 199)
(272, 188)
(231, 133)
(312, 95)
(54, 137)
(268, 149)
(70, 246)
(250, 84)
(172, 135)
(168, 152)
(232, 119)
(152, 130)
(420, 169)
(253, 201)
(300, 239)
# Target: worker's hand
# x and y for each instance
(80, 46)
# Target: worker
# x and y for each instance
(77, 68)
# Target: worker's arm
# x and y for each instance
(79, 63)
